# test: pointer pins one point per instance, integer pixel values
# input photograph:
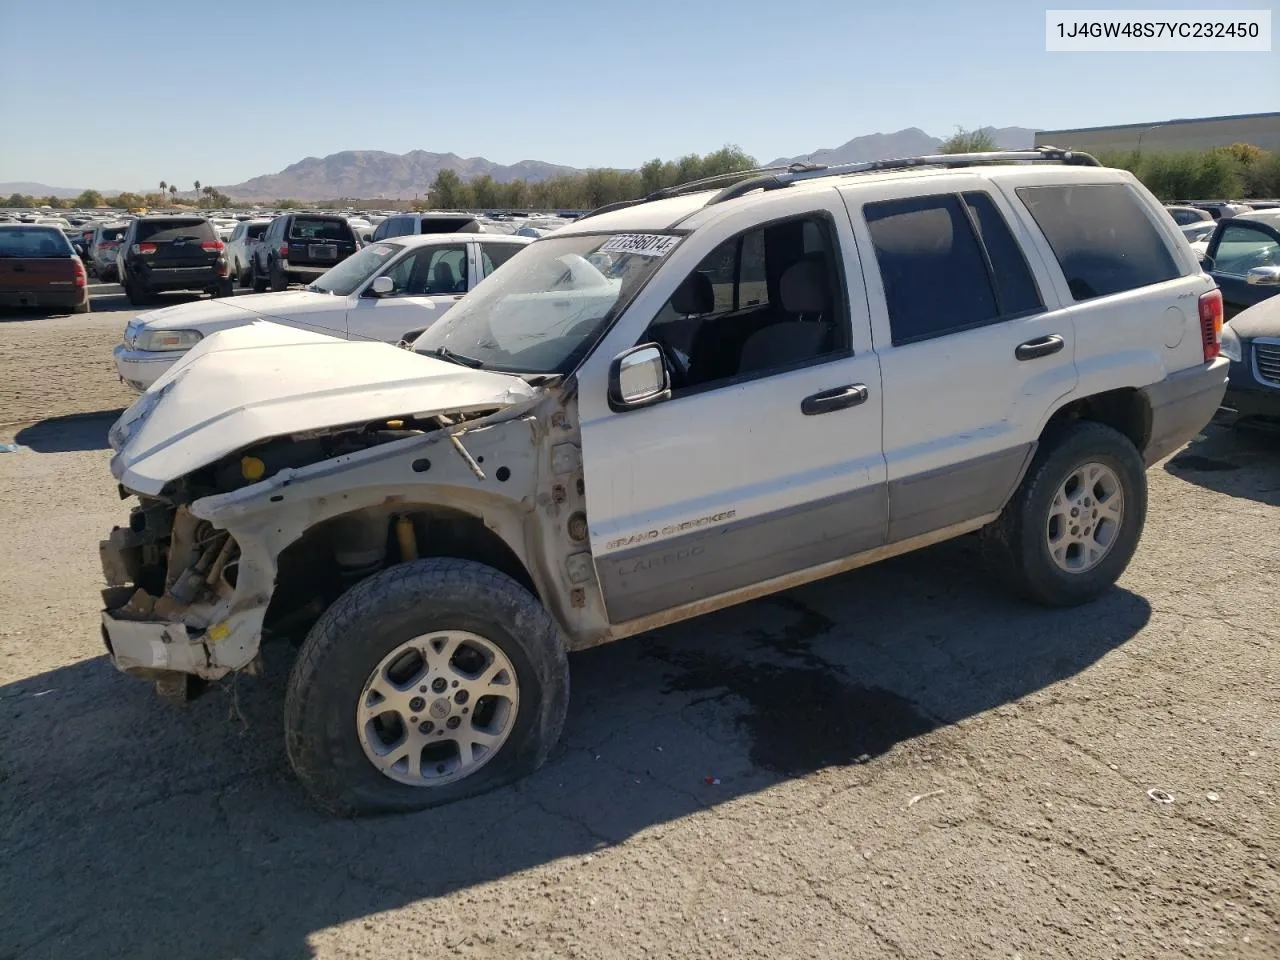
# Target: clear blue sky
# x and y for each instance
(225, 90)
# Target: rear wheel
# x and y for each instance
(278, 279)
(429, 682)
(1073, 525)
(134, 293)
(259, 283)
(225, 288)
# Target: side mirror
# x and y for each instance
(1263, 276)
(638, 377)
(382, 286)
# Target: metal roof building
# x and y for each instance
(1203, 133)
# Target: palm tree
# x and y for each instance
(163, 187)
(173, 192)
(197, 192)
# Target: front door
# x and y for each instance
(1238, 248)
(766, 459)
(427, 282)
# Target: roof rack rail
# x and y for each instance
(773, 181)
(693, 186)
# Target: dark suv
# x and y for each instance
(406, 224)
(172, 253)
(298, 247)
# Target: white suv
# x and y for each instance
(662, 409)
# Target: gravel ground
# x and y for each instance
(898, 762)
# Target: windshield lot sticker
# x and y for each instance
(641, 244)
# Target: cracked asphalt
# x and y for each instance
(898, 762)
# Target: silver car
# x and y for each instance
(103, 247)
(240, 246)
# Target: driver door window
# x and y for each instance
(767, 300)
(1242, 248)
(431, 271)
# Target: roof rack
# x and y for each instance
(693, 186)
(771, 178)
(1037, 155)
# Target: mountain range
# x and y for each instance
(399, 176)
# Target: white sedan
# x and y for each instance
(390, 291)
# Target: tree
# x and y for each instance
(20, 200)
(443, 192)
(163, 187)
(126, 201)
(968, 141)
(197, 186)
(173, 192)
(90, 199)
(287, 203)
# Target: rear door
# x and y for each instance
(973, 348)
(1238, 247)
(319, 241)
(428, 281)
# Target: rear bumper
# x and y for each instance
(139, 368)
(44, 297)
(1181, 405)
(305, 269)
(179, 278)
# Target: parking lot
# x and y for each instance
(901, 761)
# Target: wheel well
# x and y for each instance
(310, 575)
(1125, 410)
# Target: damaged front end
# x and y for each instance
(171, 586)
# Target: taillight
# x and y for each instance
(212, 245)
(81, 276)
(1211, 323)
(144, 248)
(284, 251)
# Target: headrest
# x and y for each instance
(695, 295)
(803, 288)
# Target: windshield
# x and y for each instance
(543, 309)
(34, 242)
(347, 277)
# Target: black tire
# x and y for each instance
(135, 294)
(244, 276)
(259, 283)
(1016, 543)
(278, 280)
(372, 619)
(225, 288)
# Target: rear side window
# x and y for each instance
(256, 230)
(1242, 247)
(113, 234)
(934, 273)
(1016, 290)
(1101, 236)
(315, 228)
(42, 242)
(166, 231)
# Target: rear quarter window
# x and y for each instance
(256, 230)
(166, 231)
(1101, 236)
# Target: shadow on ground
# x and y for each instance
(1238, 461)
(80, 431)
(131, 828)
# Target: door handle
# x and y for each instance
(838, 398)
(1041, 347)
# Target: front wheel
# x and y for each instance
(429, 682)
(1074, 522)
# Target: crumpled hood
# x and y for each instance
(250, 383)
(1260, 320)
(218, 314)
